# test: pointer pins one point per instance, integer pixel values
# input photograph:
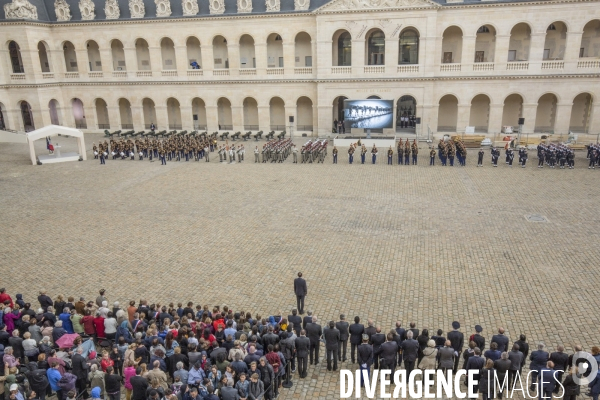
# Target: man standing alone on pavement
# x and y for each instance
(301, 291)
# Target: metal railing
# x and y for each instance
(103, 126)
(304, 128)
(173, 126)
(226, 128)
(81, 125)
(251, 127)
(278, 127)
(126, 126)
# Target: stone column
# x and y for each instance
(501, 53)
(181, 61)
(290, 127)
(468, 53)
(358, 57)
(313, 53)
(289, 56)
(264, 119)
(237, 118)
(563, 118)
(430, 117)
(162, 117)
(107, 61)
(495, 119)
(90, 118)
(130, 62)
(325, 120)
(536, 52)
(595, 118)
(6, 67)
(529, 113)
(155, 60)
(31, 64)
(187, 116)
(114, 116)
(260, 53)
(212, 117)
(208, 62)
(233, 50)
(462, 119)
(572, 47)
(14, 120)
(324, 54)
(391, 56)
(137, 115)
(82, 62)
(58, 62)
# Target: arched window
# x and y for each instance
(409, 47)
(15, 57)
(376, 48)
(344, 45)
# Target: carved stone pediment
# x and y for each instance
(112, 10)
(357, 5)
(87, 9)
(62, 10)
(244, 6)
(190, 7)
(163, 8)
(20, 9)
(273, 5)
(300, 5)
(137, 8)
(216, 6)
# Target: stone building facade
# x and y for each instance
(242, 65)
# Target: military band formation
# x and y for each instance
(192, 148)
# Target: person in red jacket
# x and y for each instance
(99, 325)
(88, 323)
(5, 296)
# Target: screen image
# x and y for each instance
(368, 114)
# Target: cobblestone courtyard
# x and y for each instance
(409, 243)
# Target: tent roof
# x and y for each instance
(53, 130)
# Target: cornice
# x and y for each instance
(314, 13)
(299, 81)
(54, 24)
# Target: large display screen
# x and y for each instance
(369, 114)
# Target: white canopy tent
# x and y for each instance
(54, 130)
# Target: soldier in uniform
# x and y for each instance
(350, 154)
(541, 155)
(432, 156)
(593, 159)
(511, 157)
(390, 155)
(295, 154)
(415, 152)
(495, 156)
(374, 154)
(163, 160)
(399, 149)
(480, 157)
(571, 159)
(334, 152)
(363, 153)
(256, 152)
(95, 150)
(524, 157)
(103, 155)
(406, 153)
(451, 153)
(322, 151)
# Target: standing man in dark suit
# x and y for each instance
(377, 340)
(307, 319)
(501, 339)
(539, 359)
(414, 330)
(523, 348)
(387, 353)
(356, 331)
(343, 327)
(80, 370)
(560, 360)
(302, 350)
(365, 358)
(314, 332)
(332, 339)
(301, 291)
(296, 320)
(410, 351)
(457, 340)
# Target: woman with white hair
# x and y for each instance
(429, 356)
(9, 318)
(96, 378)
(9, 358)
(30, 347)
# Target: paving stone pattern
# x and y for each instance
(409, 243)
